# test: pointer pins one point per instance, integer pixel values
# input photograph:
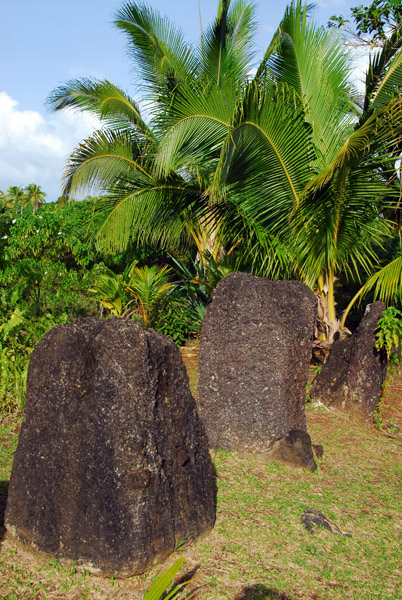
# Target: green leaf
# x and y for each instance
(161, 584)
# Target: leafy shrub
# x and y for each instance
(177, 317)
(389, 334)
(389, 339)
(18, 337)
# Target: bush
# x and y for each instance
(18, 337)
(177, 317)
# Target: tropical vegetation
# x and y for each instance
(278, 167)
(53, 272)
(282, 164)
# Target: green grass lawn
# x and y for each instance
(259, 548)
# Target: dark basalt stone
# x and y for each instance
(313, 519)
(112, 468)
(295, 449)
(256, 345)
(354, 373)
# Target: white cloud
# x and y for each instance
(34, 149)
(360, 57)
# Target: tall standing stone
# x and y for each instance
(255, 351)
(112, 468)
(353, 375)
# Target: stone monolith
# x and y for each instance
(354, 373)
(256, 345)
(112, 468)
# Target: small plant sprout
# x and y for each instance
(161, 584)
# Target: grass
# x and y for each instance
(259, 548)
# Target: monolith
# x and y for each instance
(112, 469)
(255, 351)
(354, 373)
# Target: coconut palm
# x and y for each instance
(35, 195)
(147, 285)
(16, 195)
(5, 202)
(278, 164)
(143, 198)
(338, 218)
(384, 77)
(300, 168)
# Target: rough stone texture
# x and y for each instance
(353, 375)
(255, 350)
(294, 449)
(318, 450)
(112, 468)
(313, 519)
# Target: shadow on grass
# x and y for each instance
(3, 504)
(261, 592)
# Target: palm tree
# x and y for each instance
(16, 195)
(5, 202)
(147, 285)
(144, 199)
(35, 195)
(281, 164)
(303, 172)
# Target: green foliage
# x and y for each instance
(179, 313)
(43, 282)
(158, 589)
(199, 279)
(56, 234)
(378, 20)
(389, 339)
(389, 334)
(284, 165)
(177, 316)
(109, 290)
(147, 285)
(18, 337)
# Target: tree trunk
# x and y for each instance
(208, 242)
(327, 328)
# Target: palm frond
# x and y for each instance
(266, 162)
(380, 132)
(387, 285)
(226, 51)
(311, 60)
(157, 47)
(384, 74)
(103, 99)
(106, 158)
(197, 127)
(158, 214)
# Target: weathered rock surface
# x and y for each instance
(294, 449)
(112, 468)
(255, 350)
(353, 375)
(313, 519)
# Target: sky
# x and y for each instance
(44, 43)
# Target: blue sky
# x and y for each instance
(46, 42)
